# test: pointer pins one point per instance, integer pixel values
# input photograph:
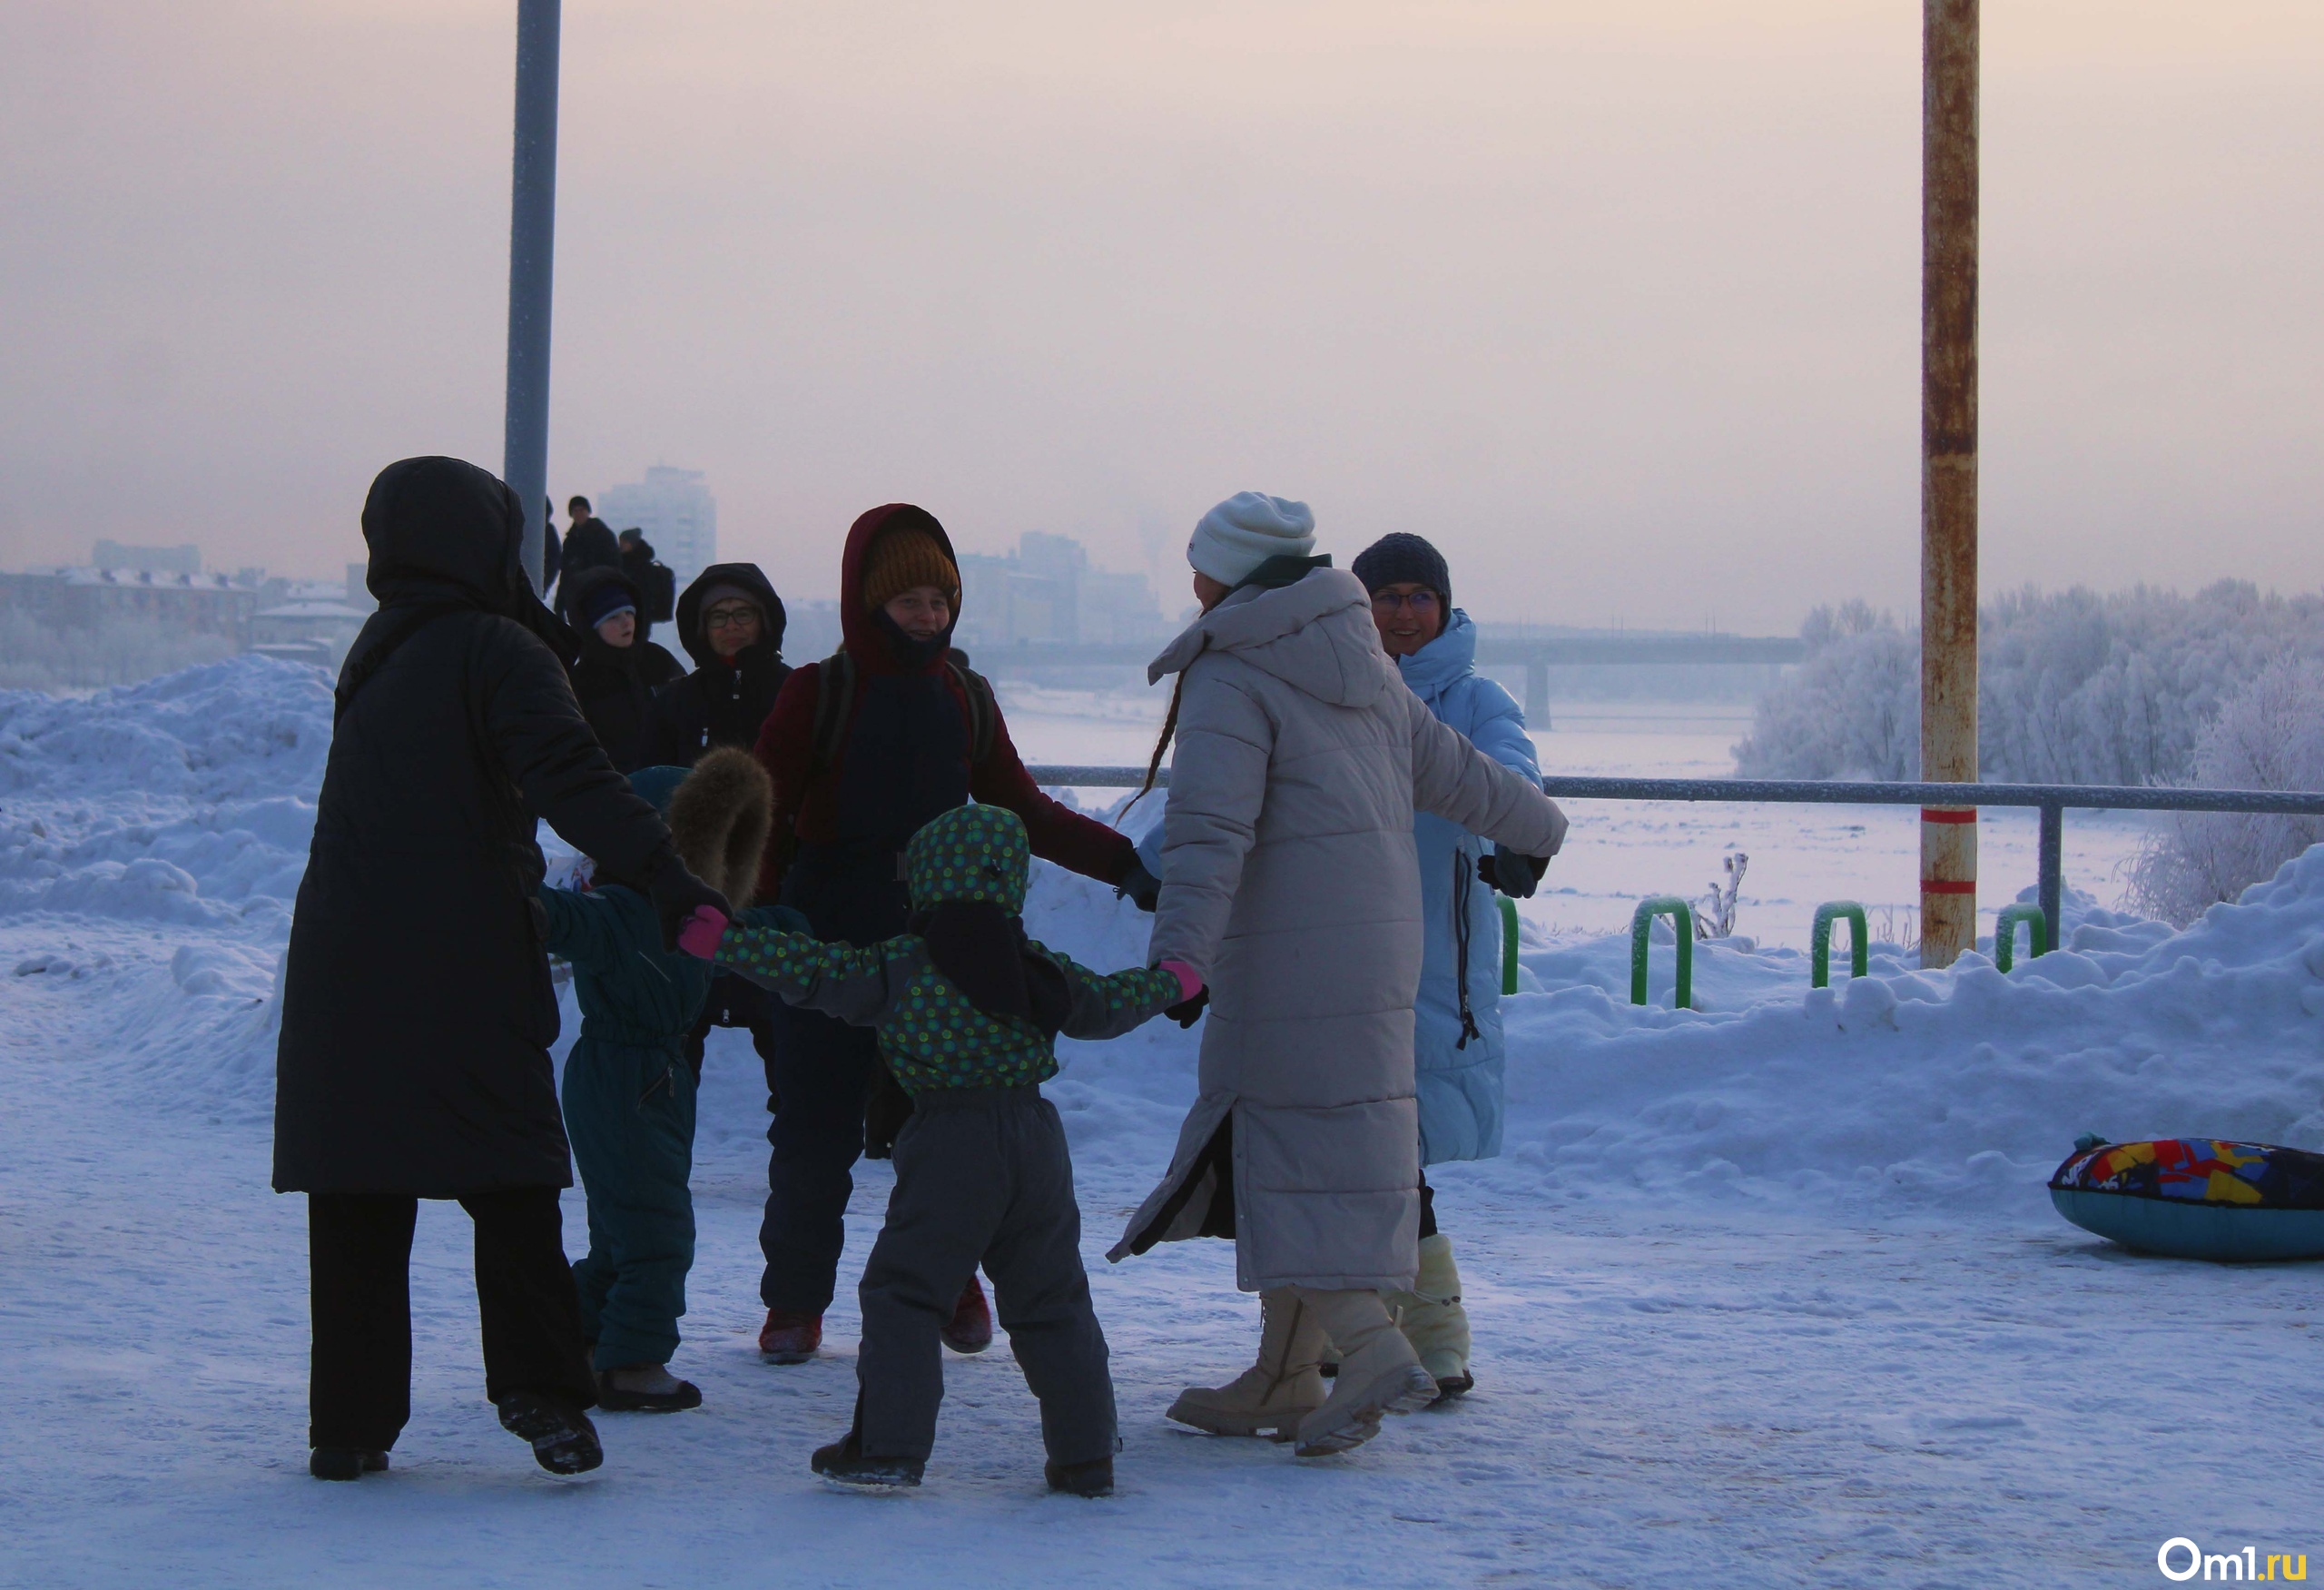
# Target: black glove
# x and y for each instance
(1187, 1012)
(1514, 875)
(676, 892)
(1138, 886)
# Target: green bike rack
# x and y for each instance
(2037, 934)
(1508, 945)
(1682, 921)
(1820, 942)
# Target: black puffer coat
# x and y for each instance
(588, 544)
(417, 1013)
(616, 684)
(717, 705)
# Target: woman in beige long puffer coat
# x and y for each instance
(1289, 883)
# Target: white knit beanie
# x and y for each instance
(1245, 530)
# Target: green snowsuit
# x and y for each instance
(931, 1036)
(982, 1174)
(629, 1110)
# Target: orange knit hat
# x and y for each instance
(904, 557)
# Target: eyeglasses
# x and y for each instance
(1387, 603)
(729, 618)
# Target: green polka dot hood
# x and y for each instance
(966, 871)
(976, 854)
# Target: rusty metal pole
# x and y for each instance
(1948, 471)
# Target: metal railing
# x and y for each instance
(2050, 799)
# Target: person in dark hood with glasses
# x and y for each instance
(731, 622)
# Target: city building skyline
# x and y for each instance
(676, 512)
(1045, 592)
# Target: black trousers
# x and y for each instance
(358, 1255)
(736, 1001)
(822, 1072)
(982, 1176)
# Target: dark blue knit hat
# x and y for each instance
(606, 600)
(1401, 556)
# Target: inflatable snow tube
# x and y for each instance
(2196, 1198)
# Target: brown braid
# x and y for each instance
(1169, 730)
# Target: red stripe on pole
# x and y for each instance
(1946, 887)
(1931, 814)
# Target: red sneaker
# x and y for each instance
(970, 1330)
(791, 1336)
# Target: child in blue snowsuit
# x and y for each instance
(967, 1010)
(629, 1091)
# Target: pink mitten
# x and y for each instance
(1189, 984)
(699, 934)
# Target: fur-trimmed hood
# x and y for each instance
(720, 817)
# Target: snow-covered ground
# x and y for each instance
(1766, 1292)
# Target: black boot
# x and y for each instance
(1093, 1478)
(646, 1389)
(843, 1462)
(345, 1462)
(564, 1440)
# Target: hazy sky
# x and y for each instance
(1618, 303)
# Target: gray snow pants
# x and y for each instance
(982, 1176)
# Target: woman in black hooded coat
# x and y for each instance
(416, 1010)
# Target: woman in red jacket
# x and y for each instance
(864, 748)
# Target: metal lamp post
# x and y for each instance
(532, 247)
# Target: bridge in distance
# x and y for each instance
(1537, 655)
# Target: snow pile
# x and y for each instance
(1944, 1090)
(249, 726)
(152, 842)
(1960, 1087)
(153, 839)
(187, 800)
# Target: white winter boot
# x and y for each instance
(1378, 1372)
(1432, 1320)
(1274, 1394)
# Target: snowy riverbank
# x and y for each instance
(1766, 1292)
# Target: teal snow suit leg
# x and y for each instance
(629, 1110)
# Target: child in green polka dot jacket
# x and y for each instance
(967, 1010)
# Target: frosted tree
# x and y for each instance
(1851, 710)
(2074, 688)
(2270, 736)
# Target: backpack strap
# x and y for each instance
(984, 713)
(834, 699)
(373, 660)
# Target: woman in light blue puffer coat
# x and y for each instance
(1457, 1036)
